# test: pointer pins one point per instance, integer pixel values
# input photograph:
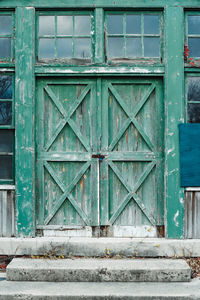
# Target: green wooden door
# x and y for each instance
(132, 173)
(99, 152)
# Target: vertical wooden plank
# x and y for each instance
(104, 168)
(99, 35)
(1, 213)
(25, 31)
(174, 85)
(4, 213)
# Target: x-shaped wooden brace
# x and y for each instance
(67, 117)
(131, 117)
(66, 193)
(132, 193)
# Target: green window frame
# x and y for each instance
(7, 36)
(192, 96)
(191, 36)
(7, 130)
(139, 35)
(74, 36)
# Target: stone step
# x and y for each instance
(98, 270)
(13, 290)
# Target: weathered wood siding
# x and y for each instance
(192, 214)
(7, 213)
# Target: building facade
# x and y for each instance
(92, 95)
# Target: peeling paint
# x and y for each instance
(175, 218)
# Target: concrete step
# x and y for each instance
(98, 270)
(14, 290)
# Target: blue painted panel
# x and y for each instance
(190, 154)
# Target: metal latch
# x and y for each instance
(99, 156)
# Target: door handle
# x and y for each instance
(99, 156)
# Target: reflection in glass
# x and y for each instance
(46, 48)
(133, 47)
(5, 47)
(5, 25)
(133, 24)
(5, 112)
(82, 48)
(194, 112)
(6, 167)
(194, 47)
(46, 25)
(82, 25)
(64, 47)
(64, 25)
(193, 89)
(193, 24)
(151, 24)
(5, 87)
(115, 47)
(151, 47)
(115, 24)
(6, 140)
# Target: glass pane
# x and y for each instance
(46, 48)
(82, 48)
(133, 47)
(133, 24)
(64, 25)
(6, 140)
(64, 47)
(82, 25)
(115, 47)
(193, 24)
(194, 112)
(6, 167)
(193, 89)
(151, 24)
(5, 87)
(5, 112)
(46, 25)
(5, 47)
(194, 47)
(5, 24)
(115, 24)
(151, 47)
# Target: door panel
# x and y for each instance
(131, 175)
(66, 176)
(100, 149)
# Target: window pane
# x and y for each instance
(133, 47)
(6, 141)
(151, 24)
(133, 24)
(5, 112)
(64, 47)
(194, 113)
(151, 47)
(5, 87)
(5, 24)
(65, 25)
(5, 47)
(46, 25)
(46, 48)
(193, 89)
(115, 47)
(82, 48)
(193, 24)
(115, 24)
(6, 167)
(82, 25)
(194, 47)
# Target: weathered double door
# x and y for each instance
(99, 153)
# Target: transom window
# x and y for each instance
(6, 36)
(65, 36)
(6, 129)
(133, 35)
